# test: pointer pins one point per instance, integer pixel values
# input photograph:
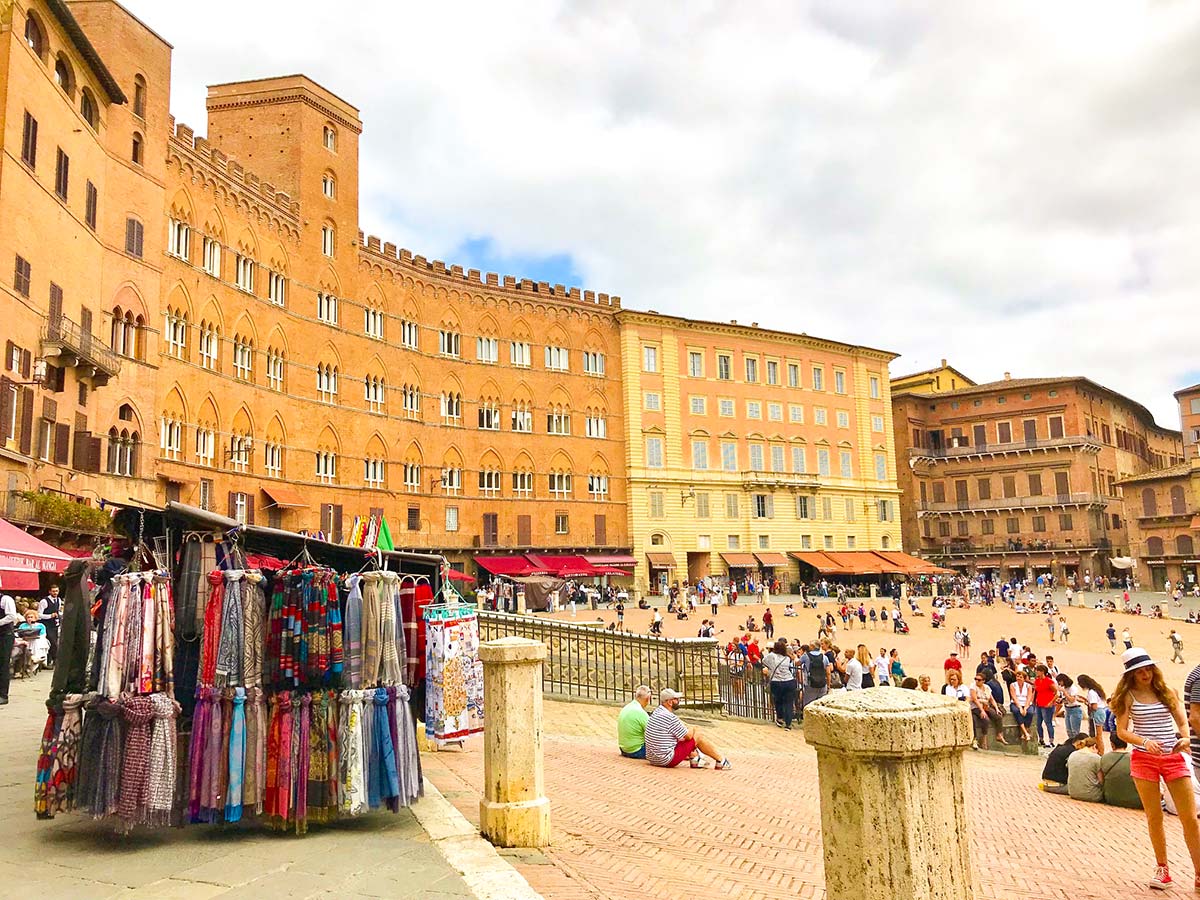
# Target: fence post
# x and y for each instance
(893, 816)
(514, 811)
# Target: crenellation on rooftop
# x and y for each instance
(203, 150)
(389, 250)
(373, 243)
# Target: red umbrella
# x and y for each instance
(456, 575)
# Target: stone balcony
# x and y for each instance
(66, 344)
(1083, 443)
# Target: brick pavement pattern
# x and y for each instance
(624, 829)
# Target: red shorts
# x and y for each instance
(683, 750)
(1152, 766)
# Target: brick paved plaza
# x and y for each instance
(624, 829)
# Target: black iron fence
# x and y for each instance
(745, 692)
(597, 664)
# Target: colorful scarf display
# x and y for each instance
(137, 652)
(454, 687)
(100, 758)
(304, 631)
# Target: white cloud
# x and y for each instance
(1012, 186)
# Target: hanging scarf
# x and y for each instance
(415, 633)
(45, 765)
(371, 614)
(229, 648)
(393, 802)
(113, 665)
(352, 797)
(132, 660)
(321, 800)
(163, 674)
(163, 764)
(135, 766)
(382, 785)
(407, 593)
(408, 758)
(60, 793)
(237, 757)
(186, 650)
(303, 761)
(149, 637)
(197, 759)
(100, 758)
(212, 627)
(223, 752)
(337, 650)
(353, 633)
(254, 616)
(74, 636)
(274, 739)
(212, 802)
(390, 669)
(273, 636)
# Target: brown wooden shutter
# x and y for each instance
(601, 531)
(337, 523)
(8, 354)
(249, 509)
(7, 398)
(26, 361)
(94, 454)
(79, 457)
(49, 409)
(232, 505)
(62, 444)
(524, 531)
(56, 311)
(26, 441)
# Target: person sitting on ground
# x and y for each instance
(1085, 781)
(1119, 789)
(631, 724)
(985, 712)
(1054, 773)
(669, 742)
(751, 625)
(789, 611)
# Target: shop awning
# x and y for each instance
(772, 560)
(281, 496)
(740, 560)
(661, 560)
(456, 575)
(610, 559)
(860, 562)
(21, 551)
(506, 565)
(820, 561)
(1196, 521)
(21, 580)
(907, 564)
(614, 571)
(561, 566)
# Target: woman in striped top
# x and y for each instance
(1150, 719)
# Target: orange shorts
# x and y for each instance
(1153, 766)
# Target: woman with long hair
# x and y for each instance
(1150, 719)
(1097, 704)
(1072, 703)
(864, 659)
(779, 668)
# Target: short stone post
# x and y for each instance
(904, 591)
(893, 816)
(514, 811)
(874, 591)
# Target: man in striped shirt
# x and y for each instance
(669, 742)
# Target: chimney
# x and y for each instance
(1008, 376)
(943, 364)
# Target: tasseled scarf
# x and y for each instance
(100, 758)
(353, 634)
(213, 611)
(352, 761)
(237, 757)
(163, 762)
(135, 766)
(228, 671)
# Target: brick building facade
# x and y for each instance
(1022, 475)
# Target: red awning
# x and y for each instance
(821, 562)
(772, 560)
(456, 575)
(610, 559)
(661, 560)
(20, 580)
(612, 570)
(20, 550)
(506, 565)
(740, 560)
(280, 496)
(562, 566)
(859, 562)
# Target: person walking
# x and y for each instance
(1150, 718)
(779, 668)
(1127, 638)
(1176, 646)
(817, 673)
(768, 623)
(1111, 634)
(8, 638)
(1097, 704)
(897, 670)
(1063, 630)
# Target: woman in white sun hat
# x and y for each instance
(1150, 719)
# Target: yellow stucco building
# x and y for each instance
(745, 445)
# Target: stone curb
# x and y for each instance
(486, 872)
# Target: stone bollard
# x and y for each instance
(514, 811)
(874, 591)
(893, 817)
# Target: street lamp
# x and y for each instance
(40, 368)
(685, 496)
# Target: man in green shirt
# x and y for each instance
(631, 724)
(1118, 785)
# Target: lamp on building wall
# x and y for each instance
(438, 480)
(685, 496)
(242, 453)
(39, 372)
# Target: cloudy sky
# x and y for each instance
(1012, 186)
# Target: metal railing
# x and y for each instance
(756, 478)
(745, 692)
(994, 503)
(598, 664)
(84, 345)
(962, 548)
(1079, 440)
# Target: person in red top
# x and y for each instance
(1045, 696)
(754, 652)
(768, 623)
(952, 663)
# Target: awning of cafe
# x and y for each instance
(283, 497)
(661, 560)
(821, 562)
(611, 559)
(509, 566)
(772, 560)
(20, 551)
(20, 580)
(740, 560)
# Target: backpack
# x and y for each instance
(816, 670)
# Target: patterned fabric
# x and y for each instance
(371, 612)
(352, 794)
(408, 758)
(211, 640)
(135, 765)
(45, 765)
(390, 671)
(454, 688)
(237, 757)
(229, 648)
(409, 619)
(161, 793)
(353, 636)
(197, 764)
(100, 758)
(416, 635)
(254, 616)
(74, 636)
(382, 782)
(60, 791)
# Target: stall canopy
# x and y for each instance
(537, 591)
(508, 566)
(456, 575)
(868, 562)
(740, 560)
(560, 566)
(23, 557)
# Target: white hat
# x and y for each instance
(1136, 658)
(669, 694)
